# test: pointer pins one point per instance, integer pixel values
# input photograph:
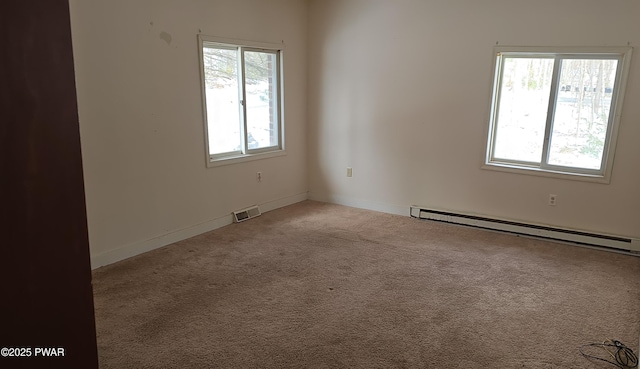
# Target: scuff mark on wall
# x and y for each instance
(166, 37)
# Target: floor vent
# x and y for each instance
(565, 235)
(246, 214)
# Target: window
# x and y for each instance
(242, 100)
(555, 111)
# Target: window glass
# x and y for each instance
(524, 100)
(221, 90)
(581, 119)
(261, 93)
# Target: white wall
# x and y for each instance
(141, 119)
(400, 91)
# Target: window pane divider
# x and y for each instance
(243, 100)
(551, 110)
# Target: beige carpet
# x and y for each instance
(315, 285)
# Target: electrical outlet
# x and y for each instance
(553, 200)
(349, 172)
(259, 176)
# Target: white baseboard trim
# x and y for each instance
(285, 201)
(137, 248)
(362, 204)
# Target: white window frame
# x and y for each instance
(245, 154)
(603, 175)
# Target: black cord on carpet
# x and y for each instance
(623, 356)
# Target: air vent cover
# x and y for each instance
(246, 214)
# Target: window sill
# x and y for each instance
(501, 167)
(212, 163)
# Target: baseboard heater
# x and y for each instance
(565, 235)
